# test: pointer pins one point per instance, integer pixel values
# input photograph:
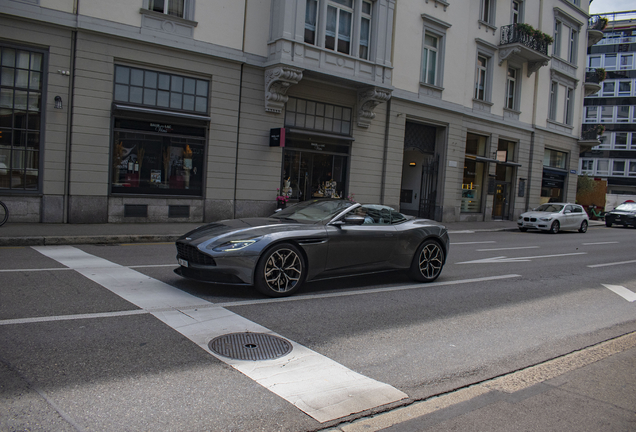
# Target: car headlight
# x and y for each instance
(545, 219)
(235, 245)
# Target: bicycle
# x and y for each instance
(4, 213)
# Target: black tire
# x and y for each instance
(4, 213)
(608, 224)
(583, 227)
(281, 271)
(555, 227)
(427, 262)
(523, 229)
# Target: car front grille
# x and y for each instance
(193, 255)
(527, 219)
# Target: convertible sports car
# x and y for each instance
(312, 240)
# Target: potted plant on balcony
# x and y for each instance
(601, 74)
(599, 129)
(538, 35)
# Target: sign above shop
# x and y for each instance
(277, 137)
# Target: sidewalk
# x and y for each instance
(38, 234)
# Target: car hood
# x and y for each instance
(245, 228)
(622, 212)
(535, 214)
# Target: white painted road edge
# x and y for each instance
(622, 291)
(315, 384)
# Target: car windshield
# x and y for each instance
(627, 207)
(313, 210)
(550, 208)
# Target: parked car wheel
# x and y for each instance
(583, 227)
(608, 224)
(428, 262)
(555, 227)
(280, 271)
(523, 229)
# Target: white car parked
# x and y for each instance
(554, 217)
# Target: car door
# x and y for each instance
(361, 247)
(570, 218)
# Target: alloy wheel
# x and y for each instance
(283, 270)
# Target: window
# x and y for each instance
(480, 83)
(620, 141)
(587, 166)
(569, 103)
(607, 114)
(622, 114)
(602, 167)
(474, 171)
(517, 11)
(594, 62)
(574, 37)
(554, 159)
(487, 12)
(160, 90)
(609, 88)
(338, 30)
(626, 61)
(624, 88)
(168, 7)
(429, 59)
(365, 30)
(307, 114)
(632, 168)
(311, 17)
(20, 118)
(591, 114)
(511, 89)
(610, 61)
(618, 168)
(554, 92)
(632, 145)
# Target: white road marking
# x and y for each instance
(612, 264)
(512, 248)
(503, 259)
(470, 243)
(622, 291)
(37, 269)
(599, 243)
(315, 384)
(72, 317)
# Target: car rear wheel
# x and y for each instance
(281, 271)
(555, 227)
(428, 262)
(583, 227)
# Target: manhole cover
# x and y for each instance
(250, 346)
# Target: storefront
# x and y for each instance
(474, 170)
(316, 151)
(554, 176)
(159, 133)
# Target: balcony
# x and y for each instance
(522, 43)
(589, 137)
(595, 27)
(593, 80)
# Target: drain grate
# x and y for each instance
(250, 346)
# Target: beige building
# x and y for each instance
(190, 110)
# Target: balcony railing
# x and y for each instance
(514, 34)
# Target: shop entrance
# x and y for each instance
(309, 175)
(501, 203)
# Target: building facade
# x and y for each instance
(610, 112)
(185, 110)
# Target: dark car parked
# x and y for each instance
(624, 214)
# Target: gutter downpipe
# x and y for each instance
(386, 150)
(238, 120)
(69, 119)
(534, 119)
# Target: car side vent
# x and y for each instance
(179, 211)
(135, 210)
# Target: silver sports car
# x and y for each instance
(312, 240)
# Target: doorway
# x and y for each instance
(501, 203)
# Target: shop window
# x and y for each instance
(157, 157)
(474, 170)
(20, 118)
(554, 159)
(161, 90)
(305, 114)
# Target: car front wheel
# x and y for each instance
(523, 229)
(608, 223)
(583, 227)
(280, 271)
(555, 227)
(428, 262)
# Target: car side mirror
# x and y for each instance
(567, 211)
(354, 220)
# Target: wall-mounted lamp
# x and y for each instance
(58, 102)
(411, 163)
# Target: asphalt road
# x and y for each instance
(81, 351)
